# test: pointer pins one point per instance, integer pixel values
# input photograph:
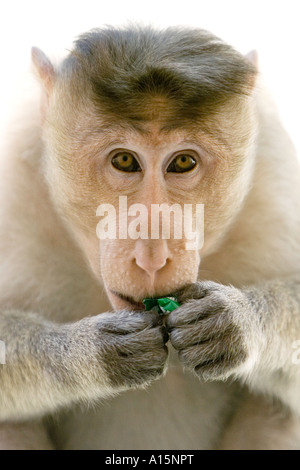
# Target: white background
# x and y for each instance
(272, 27)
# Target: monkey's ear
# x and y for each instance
(44, 69)
(46, 74)
(252, 56)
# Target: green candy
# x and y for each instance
(163, 305)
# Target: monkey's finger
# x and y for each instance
(187, 336)
(194, 311)
(197, 355)
(125, 322)
(142, 341)
(154, 337)
(209, 328)
(211, 359)
(133, 367)
(196, 290)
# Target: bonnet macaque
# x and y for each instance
(174, 117)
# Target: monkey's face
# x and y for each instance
(108, 182)
(137, 117)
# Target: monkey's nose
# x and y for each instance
(151, 257)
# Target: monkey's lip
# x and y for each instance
(127, 301)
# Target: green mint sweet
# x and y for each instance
(162, 305)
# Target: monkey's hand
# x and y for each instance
(50, 365)
(214, 330)
(129, 347)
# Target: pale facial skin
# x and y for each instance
(162, 168)
(148, 267)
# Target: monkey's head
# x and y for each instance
(137, 116)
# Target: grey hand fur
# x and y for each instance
(93, 357)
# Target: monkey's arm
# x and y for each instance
(221, 331)
(49, 365)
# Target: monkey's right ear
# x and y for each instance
(252, 56)
(44, 69)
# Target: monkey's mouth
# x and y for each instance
(125, 301)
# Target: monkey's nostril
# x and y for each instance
(150, 266)
(151, 258)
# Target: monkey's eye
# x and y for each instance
(125, 161)
(181, 164)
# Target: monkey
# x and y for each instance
(159, 116)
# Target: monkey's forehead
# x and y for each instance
(141, 73)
